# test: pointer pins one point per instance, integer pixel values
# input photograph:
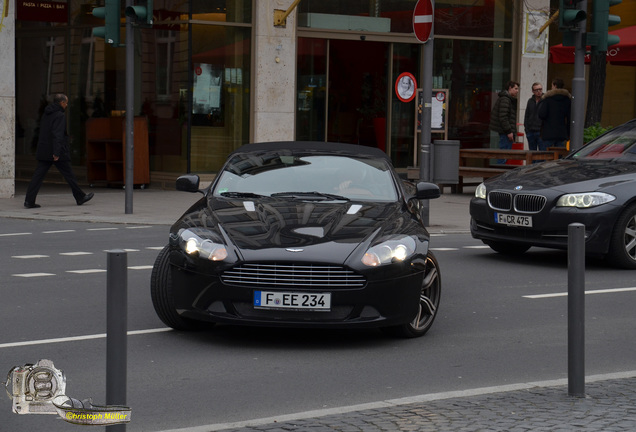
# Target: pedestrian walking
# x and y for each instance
(531, 120)
(53, 149)
(503, 117)
(554, 112)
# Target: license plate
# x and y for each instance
(513, 220)
(292, 300)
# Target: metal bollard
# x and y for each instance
(576, 310)
(116, 331)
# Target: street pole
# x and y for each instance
(577, 118)
(426, 78)
(130, 115)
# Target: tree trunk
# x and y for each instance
(596, 88)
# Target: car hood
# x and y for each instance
(320, 231)
(565, 175)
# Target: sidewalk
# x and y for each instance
(153, 206)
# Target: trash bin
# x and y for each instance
(446, 161)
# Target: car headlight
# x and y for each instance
(480, 192)
(389, 251)
(200, 243)
(585, 199)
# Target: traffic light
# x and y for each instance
(570, 15)
(141, 13)
(599, 39)
(111, 14)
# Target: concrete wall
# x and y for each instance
(7, 98)
(275, 73)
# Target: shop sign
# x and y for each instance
(47, 11)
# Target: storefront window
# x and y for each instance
(312, 89)
(235, 11)
(474, 18)
(220, 94)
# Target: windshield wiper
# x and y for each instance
(240, 195)
(320, 196)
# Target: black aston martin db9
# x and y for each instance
(594, 186)
(301, 234)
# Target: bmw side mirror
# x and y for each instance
(425, 190)
(188, 183)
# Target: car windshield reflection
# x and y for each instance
(310, 177)
(619, 144)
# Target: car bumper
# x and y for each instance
(549, 227)
(378, 303)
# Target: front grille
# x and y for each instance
(522, 203)
(293, 275)
(500, 200)
(529, 203)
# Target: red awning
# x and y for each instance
(623, 53)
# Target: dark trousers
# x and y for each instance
(64, 167)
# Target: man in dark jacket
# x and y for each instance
(503, 117)
(554, 112)
(531, 120)
(53, 149)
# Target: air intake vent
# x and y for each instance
(529, 203)
(293, 276)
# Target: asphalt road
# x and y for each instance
(489, 333)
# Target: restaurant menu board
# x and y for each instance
(439, 98)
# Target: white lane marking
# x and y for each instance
(155, 247)
(565, 294)
(57, 232)
(76, 253)
(477, 247)
(125, 250)
(87, 271)
(79, 338)
(140, 267)
(397, 402)
(102, 229)
(15, 234)
(30, 275)
(139, 227)
(444, 249)
(29, 256)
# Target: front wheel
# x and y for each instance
(161, 291)
(428, 306)
(622, 250)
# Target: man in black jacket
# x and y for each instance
(554, 111)
(53, 149)
(531, 121)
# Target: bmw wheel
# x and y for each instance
(622, 250)
(162, 297)
(428, 304)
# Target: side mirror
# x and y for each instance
(188, 183)
(426, 190)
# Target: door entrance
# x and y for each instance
(357, 90)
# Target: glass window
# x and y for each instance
(220, 94)
(312, 89)
(476, 18)
(473, 72)
(236, 11)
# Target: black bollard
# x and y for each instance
(116, 331)
(576, 310)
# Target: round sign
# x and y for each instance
(423, 20)
(405, 86)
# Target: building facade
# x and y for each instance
(211, 75)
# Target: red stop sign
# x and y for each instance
(423, 20)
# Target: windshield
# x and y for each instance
(616, 144)
(319, 177)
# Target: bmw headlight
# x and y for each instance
(585, 199)
(202, 243)
(480, 192)
(389, 251)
